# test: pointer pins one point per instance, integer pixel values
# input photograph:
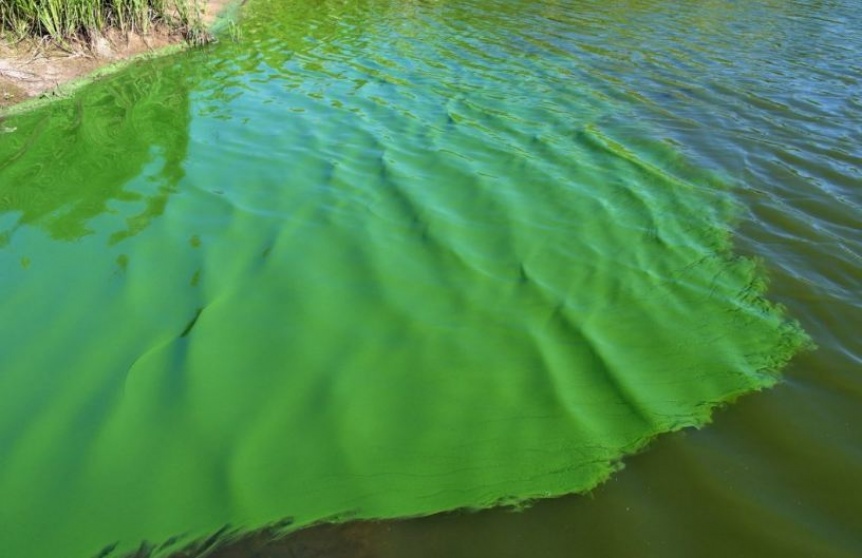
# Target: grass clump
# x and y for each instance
(65, 19)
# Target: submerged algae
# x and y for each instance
(421, 286)
(101, 144)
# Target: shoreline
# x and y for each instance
(33, 73)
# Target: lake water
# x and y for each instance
(389, 259)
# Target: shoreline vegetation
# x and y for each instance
(48, 46)
(65, 20)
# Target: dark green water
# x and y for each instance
(388, 259)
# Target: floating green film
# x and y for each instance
(349, 279)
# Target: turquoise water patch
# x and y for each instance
(364, 263)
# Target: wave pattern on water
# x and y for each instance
(380, 259)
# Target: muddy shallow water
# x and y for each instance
(387, 259)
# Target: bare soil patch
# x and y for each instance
(34, 67)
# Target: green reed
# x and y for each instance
(63, 19)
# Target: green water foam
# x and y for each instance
(240, 290)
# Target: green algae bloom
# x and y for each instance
(341, 275)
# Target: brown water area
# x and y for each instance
(361, 539)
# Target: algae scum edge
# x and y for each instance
(337, 274)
